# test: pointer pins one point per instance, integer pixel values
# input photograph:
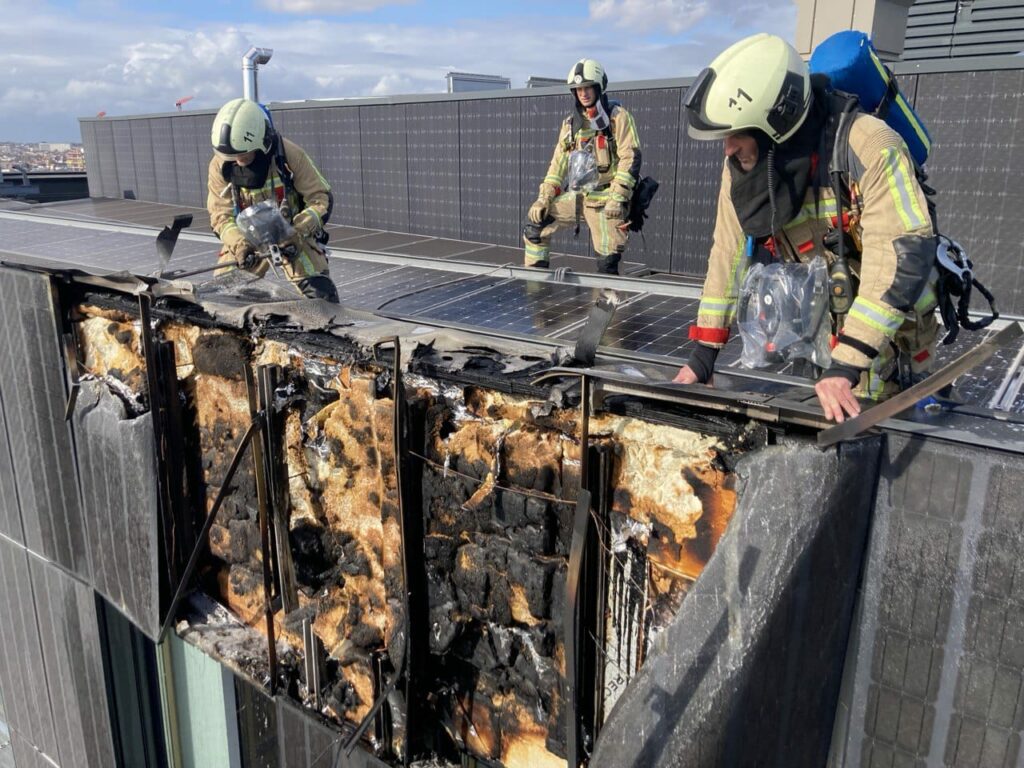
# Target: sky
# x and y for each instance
(65, 59)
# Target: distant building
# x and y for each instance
(460, 82)
(544, 82)
(53, 146)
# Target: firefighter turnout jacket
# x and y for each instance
(309, 201)
(887, 216)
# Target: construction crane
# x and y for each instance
(183, 100)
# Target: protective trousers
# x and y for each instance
(905, 360)
(608, 239)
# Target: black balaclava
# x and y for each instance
(770, 195)
(253, 175)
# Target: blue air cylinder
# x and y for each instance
(851, 63)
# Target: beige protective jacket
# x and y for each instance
(887, 204)
(308, 182)
(618, 161)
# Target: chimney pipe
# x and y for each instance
(251, 60)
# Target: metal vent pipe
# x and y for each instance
(251, 60)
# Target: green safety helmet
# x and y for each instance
(587, 72)
(241, 126)
(758, 83)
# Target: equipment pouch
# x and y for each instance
(782, 314)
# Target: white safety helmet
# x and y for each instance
(241, 126)
(587, 72)
(758, 83)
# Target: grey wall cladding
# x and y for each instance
(41, 444)
(188, 161)
(68, 629)
(10, 513)
(698, 179)
(106, 157)
(433, 147)
(341, 162)
(142, 159)
(385, 170)
(119, 495)
(22, 674)
(92, 159)
(164, 161)
(489, 131)
(976, 164)
(935, 668)
(657, 114)
(53, 681)
(127, 185)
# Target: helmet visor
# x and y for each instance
(698, 126)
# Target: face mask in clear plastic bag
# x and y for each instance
(782, 314)
(263, 224)
(582, 175)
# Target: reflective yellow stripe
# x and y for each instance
(826, 210)
(602, 226)
(904, 107)
(736, 270)
(927, 301)
(630, 126)
(903, 194)
(715, 306)
(880, 318)
(625, 179)
(532, 249)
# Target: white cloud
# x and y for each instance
(329, 6)
(673, 16)
(676, 16)
(129, 67)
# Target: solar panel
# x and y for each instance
(654, 325)
(405, 291)
(525, 307)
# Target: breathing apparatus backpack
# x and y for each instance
(853, 67)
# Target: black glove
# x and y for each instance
(702, 361)
(249, 259)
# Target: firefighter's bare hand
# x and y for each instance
(836, 397)
(538, 210)
(685, 376)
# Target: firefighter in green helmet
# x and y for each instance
(252, 163)
(592, 174)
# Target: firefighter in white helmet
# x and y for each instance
(592, 174)
(783, 131)
(252, 163)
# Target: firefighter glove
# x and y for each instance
(244, 255)
(614, 209)
(538, 210)
(306, 222)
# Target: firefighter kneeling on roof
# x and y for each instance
(252, 164)
(777, 211)
(592, 175)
